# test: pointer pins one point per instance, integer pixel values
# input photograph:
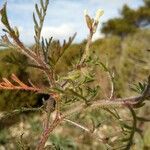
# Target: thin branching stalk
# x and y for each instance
(46, 133)
(19, 111)
(106, 103)
(78, 125)
(33, 56)
(73, 87)
(94, 134)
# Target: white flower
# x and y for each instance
(85, 12)
(99, 13)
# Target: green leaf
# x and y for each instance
(35, 21)
(139, 105)
(143, 119)
(4, 18)
(61, 49)
(38, 18)
(38, 11)
(104, 67)
(71, 91)
(88, 79)
(42, 4)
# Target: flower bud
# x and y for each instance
(88, 19)
(16, 31)
(85, 12)
(99, 13)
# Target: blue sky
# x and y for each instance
(64, 17)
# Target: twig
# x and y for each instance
(78, 125)
(50, 127)
(33, 56)
(18, 111)
(92, 133)
(7, 85)
(47, 132)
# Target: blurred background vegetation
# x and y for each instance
(125, 47)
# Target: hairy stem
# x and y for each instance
(105, 103)
(87, 48)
